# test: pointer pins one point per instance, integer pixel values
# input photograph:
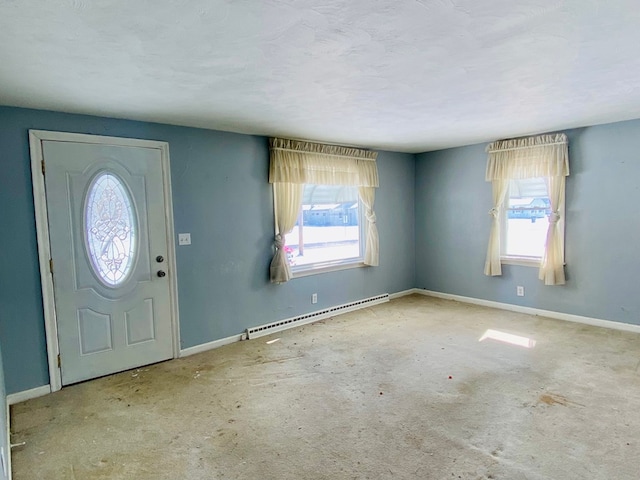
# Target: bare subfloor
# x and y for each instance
(400, 390)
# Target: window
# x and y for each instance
(326, 193)
(328, 229)
(527, 178)
(526, 220)
(110, 230)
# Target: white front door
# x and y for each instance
(106, 206)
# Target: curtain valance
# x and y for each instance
(539, 156)
(299, 162)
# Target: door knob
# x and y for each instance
(161, 273)
(159, 259)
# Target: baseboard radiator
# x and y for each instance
(280, 325)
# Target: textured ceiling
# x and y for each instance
(405, 75)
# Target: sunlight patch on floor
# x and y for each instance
(508, 338)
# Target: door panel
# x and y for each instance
(140, 324)
(94, 331)
(106, 215)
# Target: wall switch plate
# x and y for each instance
(314, 298)
(184, 239)
(520, 291)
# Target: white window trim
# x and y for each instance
(521, 261)
(327, 269)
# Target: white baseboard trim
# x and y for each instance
(7, 452)
(203, 347)
(25, 395)
(568, 317)
(403, 293)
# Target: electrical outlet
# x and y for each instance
(520, 291)
(314, 298)
(184, 239)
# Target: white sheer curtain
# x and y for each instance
(552, 267)
(295, 162)
(492, 265)
(288, 197)
(532, 157)
(372, 248)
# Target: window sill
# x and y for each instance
(521, 261)
(327, 268)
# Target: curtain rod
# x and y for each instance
(325, 154)
(492, 150)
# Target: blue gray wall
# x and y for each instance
(221, 196)
(602, 227)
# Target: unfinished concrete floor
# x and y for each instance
(400, 390)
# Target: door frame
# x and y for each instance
(38, 172)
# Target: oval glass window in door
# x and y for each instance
(110, 228)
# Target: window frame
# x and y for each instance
(522, 260)
(298, 271)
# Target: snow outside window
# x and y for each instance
(328, 231)
(526, 220)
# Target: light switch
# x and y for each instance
(184, 239)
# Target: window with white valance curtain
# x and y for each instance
(528, 183)
(300, 169)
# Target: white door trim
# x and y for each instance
(36, 137)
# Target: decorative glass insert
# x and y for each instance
(110, 228)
